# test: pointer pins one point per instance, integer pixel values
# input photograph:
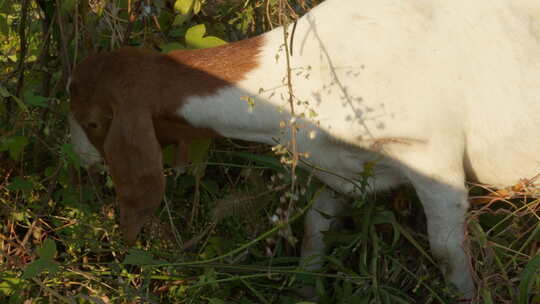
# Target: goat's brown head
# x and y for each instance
(126, 102)
(117, 118)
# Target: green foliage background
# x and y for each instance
(213, 240)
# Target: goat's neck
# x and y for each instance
(255, 106)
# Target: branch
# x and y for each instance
(23, 48)
(64, 56)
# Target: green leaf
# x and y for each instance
(198, 150)
(178, 32)
(263, 160)
(195, 38)
(180, 19)
(173, 46)
(47, 250)
(15, 145)
(6, 6)
(49, 171)
(197, 7)
(73, 198)
(165, 19)
(184, 7)
(487, 298)
(209, 42)
(527, 277)
(38, 266)
(211, 186)
(9, 285)
(319, 286)
(35, 100)
(4, 27)
(68, 5)
(195, 32)
(140, 257)
(20, 183)
(4, 92)
(387, 217)
(34, 268)
(168, 155)
(70, 155)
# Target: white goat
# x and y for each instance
(432, 91)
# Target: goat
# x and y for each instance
(434, 92)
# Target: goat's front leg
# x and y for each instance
(320, 218)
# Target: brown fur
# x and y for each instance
(126, 102)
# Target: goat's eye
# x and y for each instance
(92, 125)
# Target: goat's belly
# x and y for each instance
(502, 167)
(502, 143)
(351, 185)
(343, 169)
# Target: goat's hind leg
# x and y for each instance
(443, 194)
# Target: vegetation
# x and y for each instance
(226, 232)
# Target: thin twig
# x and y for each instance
(175, 232)
(268, 15)
(132, 13)
(293, 144)
(53, 292)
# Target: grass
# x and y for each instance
(63, 245)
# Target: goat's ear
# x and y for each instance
(82, 146)
(133, 154)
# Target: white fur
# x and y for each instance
(81, 145)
